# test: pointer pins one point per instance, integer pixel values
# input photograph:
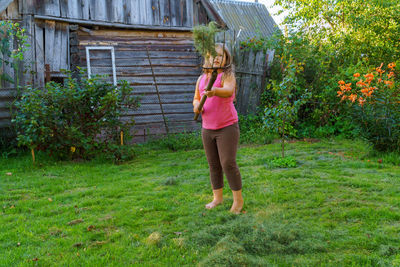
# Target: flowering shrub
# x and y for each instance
(376, 105)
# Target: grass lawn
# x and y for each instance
(335, 208)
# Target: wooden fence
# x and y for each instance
(251, 71)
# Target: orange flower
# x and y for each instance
(392, 65)
(339, 93)
(379, 70)
(361, 101)
(360, 83)
(389, 83)
(341, 82)
(356, 75)
(379, 80)
(353, 97)
(390, 75)
(348, 84)
(369, 75)
(344, 97)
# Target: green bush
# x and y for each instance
(77, 119)
(359, 34)
(374, 102)
(252, 130)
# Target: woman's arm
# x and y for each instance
(196, 98)
(227, 89)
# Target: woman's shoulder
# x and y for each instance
(200, 77)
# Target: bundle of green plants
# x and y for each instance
(78, 119)
(204, 39)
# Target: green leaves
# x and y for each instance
(204, 39)
(290, 96)
(82, 115)
(351, 27)
(12, 46)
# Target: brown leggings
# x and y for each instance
(220, 147)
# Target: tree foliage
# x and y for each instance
(353, 28)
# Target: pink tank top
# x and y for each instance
(219, 112)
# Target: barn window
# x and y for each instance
(104, 62)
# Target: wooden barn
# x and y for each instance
(146, 42)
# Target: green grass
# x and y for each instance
(335, 208)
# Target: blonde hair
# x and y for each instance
(229, 68)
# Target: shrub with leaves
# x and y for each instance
(280, 116)
(375, 102)
(77, 119)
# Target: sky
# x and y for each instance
(271, 10)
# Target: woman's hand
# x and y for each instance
(196, 107)
(211, 93)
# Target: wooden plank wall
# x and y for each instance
(11, 12)
(176, 66)
(7, 95)
(169, 13)
(7, 89)
(251, 68)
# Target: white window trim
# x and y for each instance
(111, 48)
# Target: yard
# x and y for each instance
(339, 206)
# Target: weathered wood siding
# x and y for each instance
(251, 72)
(169, 13)
(176, 67)
(11, 12)
(6, 97)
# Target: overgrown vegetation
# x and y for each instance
(334, 40)
(77, 119)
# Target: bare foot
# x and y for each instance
(237, 206)
(213, 204)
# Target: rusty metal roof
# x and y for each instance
(253, 18)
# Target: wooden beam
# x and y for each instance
(112, 25)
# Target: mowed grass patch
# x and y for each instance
(334, 208)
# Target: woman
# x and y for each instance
(220, 129)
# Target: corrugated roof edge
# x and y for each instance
(237, 2)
